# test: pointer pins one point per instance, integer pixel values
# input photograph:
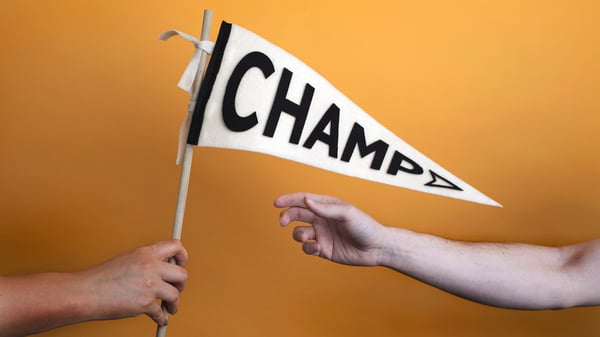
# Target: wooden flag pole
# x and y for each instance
(186, 163)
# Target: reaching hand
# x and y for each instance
(339, 231)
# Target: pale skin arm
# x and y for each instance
(508, 275)
(125, 286)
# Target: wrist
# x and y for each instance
(391, 245)
(79, 296)
(385, 247)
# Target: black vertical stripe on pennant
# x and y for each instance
(207, 84)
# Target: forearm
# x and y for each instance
(38, 302)
(517, 276)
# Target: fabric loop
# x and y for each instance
(189, 75)
(186, 82)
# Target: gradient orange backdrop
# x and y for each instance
(504, 94)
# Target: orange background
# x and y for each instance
(503, 94)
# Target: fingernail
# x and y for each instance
(165, 322)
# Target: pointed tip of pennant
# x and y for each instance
(496, 204)
(488, 202)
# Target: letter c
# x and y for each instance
(233, 121)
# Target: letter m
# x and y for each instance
(357, 139)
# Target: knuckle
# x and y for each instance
(149, 283)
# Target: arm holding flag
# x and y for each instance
(125, 286)
(508, 275)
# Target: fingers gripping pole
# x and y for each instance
(186, 164)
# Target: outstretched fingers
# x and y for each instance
(328, 208)
(298, 199)
(296, 214)
(290, 200)
(316, 210)
(311, 248)
(304, 233)
(307, 236)
(321, 205)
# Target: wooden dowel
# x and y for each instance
(186, 163)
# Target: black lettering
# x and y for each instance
(445, 183)
(396, 165)
(357, 138)
(232, 119)
(282, 104)
(331, 118)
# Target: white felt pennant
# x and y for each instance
(257, 97)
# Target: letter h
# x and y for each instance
(282, 104)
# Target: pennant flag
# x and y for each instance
(257, 97)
